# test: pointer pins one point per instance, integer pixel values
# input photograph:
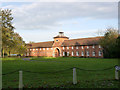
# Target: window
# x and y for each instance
(67, 47)
(93, 46)
(47, 48)
(30, 49)
(63, 48)
(99, 46)
(36, 49)
(67, 53)
(100, 53)
(82, 53)
(87, 47)
(56, 40)
(72, 47)
(87, 53)
(51, 48)
(27, 54)
(33, 49)
(76, 47)
(93, 53)
(63, 53)
(82, 47)
(43, 48)
(72, 53)
(77, 53)
(40, 48)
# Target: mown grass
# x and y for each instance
(47, 78)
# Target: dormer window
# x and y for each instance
(72, 47)
(67, 47)
(99, 46)
(76, 47)
(87, 47)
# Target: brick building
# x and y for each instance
(63, 46)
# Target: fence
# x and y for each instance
(117, 69)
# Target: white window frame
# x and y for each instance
(43, 48)
(27, 54)
(63, 53)
(76, 47)
(63, 48)
(87, 53)
(72, 53)
(47, 48)
(99, 46)
(51, 48)
(33, 49)
(40, 48)
(87, 47)
(67, 47)
(100, 53)
(77, 53)
(36, 48)
(93, 46)
(67, 53)
(93, 53)
(82, 47)
(72, 47)
(82, 53)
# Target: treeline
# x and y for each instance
(12, 42)
(111, 43)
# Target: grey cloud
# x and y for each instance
(49, 15)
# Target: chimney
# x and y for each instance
(61, 34)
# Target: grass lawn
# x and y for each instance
(47, 78)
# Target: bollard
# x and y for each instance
(74, 76)
(116, 75)
(20, 80)
(117, 68)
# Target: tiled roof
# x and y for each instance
(71, 42)
(82, 41)
(41, 44)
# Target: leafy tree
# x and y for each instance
(11, 41)
(7, 29)
(109, 43)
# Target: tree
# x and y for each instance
(11, 41)
(7, 29)
(109, 43)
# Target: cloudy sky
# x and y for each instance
(41, 21)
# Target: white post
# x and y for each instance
(74, 76)
(116, 75)
(20, 80)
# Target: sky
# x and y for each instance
(41, 21)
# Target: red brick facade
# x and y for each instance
(63, 46)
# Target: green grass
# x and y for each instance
(47, 78)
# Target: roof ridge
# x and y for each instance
(40, 42)
(86, 38)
